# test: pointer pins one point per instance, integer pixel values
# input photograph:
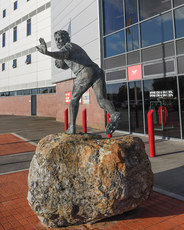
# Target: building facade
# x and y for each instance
(143, 57)
(81, 20)
(138, 43)
(25, 75)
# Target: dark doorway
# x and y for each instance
(33, 105)
(161, 95)
(117, 93)
(136, 108)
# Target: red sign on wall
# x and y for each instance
(134, 72)
(68, 97)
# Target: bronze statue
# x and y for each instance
(87, 73)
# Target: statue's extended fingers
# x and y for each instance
(42, 41)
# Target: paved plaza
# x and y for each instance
(18, 138)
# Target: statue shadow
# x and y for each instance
(157, 209)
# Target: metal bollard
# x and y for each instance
(84, 120)
(66, 119)
(151, 133)
(108, 118)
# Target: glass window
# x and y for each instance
(52, 90)
(157, 30)
(12, 93)
(44, 90)
(15, 5)
(131, 12)
(161, 95)
(2, 94)
(181, 81)
(114, 44)
(34, 91)
(132, 36)
(179, 21)
(3, 40)
(178, 2)
(29, 27)
(117, 93)
(27, 92)
(20, 92)
(15, 34)
(136, 109)
(3, 66)
(150, 8)
(4, 13)
(113, 15)
(14, 63)
(28, 59)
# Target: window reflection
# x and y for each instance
(131, 12)
(178, 2)
(114, 44)
(136, 109)
(117, 93)
(113, 15)
(132, 38)
(161, 96)
(150, 8)
(179, 21)
(181, 79)
(157, 30)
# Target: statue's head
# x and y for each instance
(61, 37)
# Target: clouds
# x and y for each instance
(179, 14)
(149, 8)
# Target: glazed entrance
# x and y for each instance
(161, 95)
(134, 100)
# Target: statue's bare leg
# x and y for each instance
(99, 88)
(81, 85)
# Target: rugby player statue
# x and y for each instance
(88, 74)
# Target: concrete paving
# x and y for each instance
(168, 165)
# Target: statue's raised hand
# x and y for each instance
(42, 48)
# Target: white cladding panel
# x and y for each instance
(80, 19)
(38, 73)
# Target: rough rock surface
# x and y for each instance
(75, 179)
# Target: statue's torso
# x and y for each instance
(78, 60)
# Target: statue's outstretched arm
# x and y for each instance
(42, 48)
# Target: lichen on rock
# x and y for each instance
(75, 179)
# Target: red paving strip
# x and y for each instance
(11, 144)
(159, 213)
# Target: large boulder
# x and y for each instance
(75, 179)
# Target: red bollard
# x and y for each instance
(108, 118)
(84, 120)
(151, 133)
(66, 119)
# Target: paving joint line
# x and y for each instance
(16, 154)
(16, 171)
(25, 139)
(167, 193)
